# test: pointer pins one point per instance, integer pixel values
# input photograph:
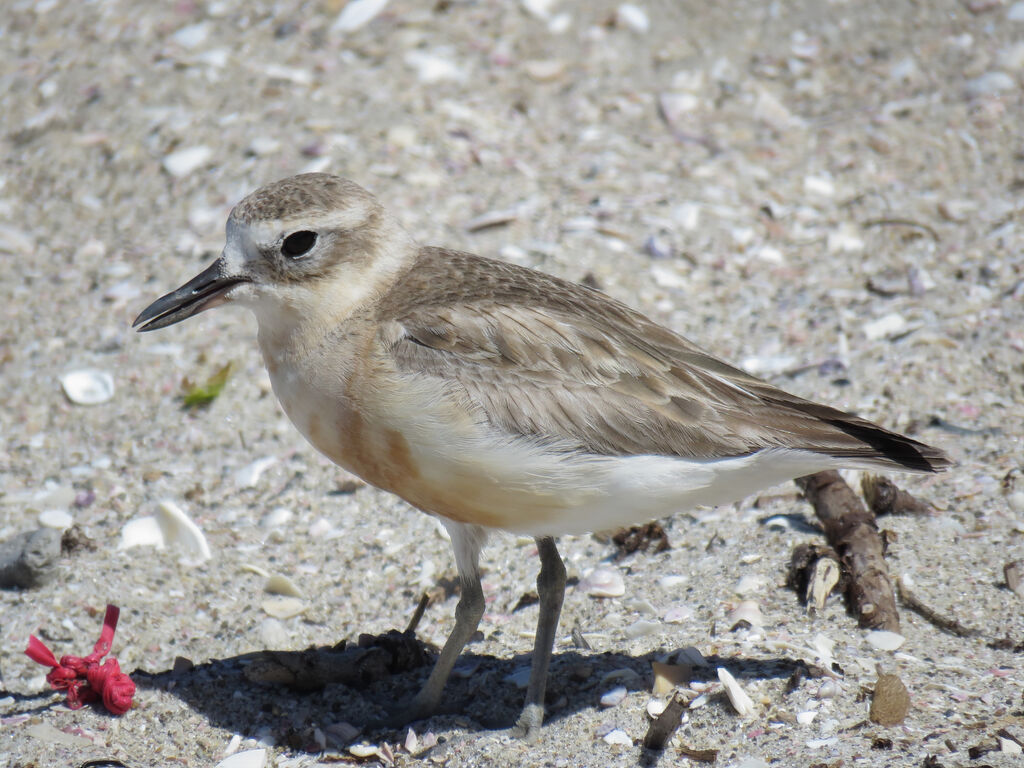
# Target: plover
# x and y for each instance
(498, 397)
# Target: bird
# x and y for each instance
(497, 397)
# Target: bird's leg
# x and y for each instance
(468, 613)
(466, 541)
(551, 589)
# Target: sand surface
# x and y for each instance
(828, 194)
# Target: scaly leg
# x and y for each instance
(551, 589)
(466, 541)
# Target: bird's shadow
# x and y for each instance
(483, 697)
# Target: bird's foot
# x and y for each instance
(528, 725)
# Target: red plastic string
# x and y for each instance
(83, 677)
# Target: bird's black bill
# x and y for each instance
(203, 291)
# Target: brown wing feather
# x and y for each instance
(542, 357)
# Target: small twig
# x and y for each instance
(884, 497)
(851, 530)
(946, 624)
(661, 728)
(418, 613)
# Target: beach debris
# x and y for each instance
(375, 657)
(603, 582)
(282, 585)
(665, 724)
(87, 386)
(884, 640)
(357, 14)
(1013, 572)
(250, 758)
(169, 527)
(884, 497)
(201, 395)
(851, 530)
(640, 538)
(184, 161)
(29, 559)
(741, 702)
(83, 678)
(890, 701)
(745, 615)
(614, 697)
(814, 573)
(945, 623)
(618, 737)
(668, 676)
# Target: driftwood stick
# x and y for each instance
(851, 530)
(884, 497)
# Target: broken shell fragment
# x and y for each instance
(282, 585)
(746, 614)
(603, 582)
(88, 386)
(741, 702)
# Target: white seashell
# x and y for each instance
(283, 607)
(282, 585)
(364, 750)
(634, 17)
(1009, 746)
(185, 161)
(539, 9)
(603, 582)
(614, 697)
(264, 145)
(641, 628)
(192, 36)
(250, 758)
(655, 707)
(672, 581)
(741, 702)
(88, 386)
(60, 519)
(618, 736)
(249, 475)
(823, 647)
(819, 185)
(520, 678)
(819, 743)
(142, 532)
(678, 614)
(747, 611)
(278, 517)
(749, 584)
(357, 14)
(233, 744)
(178, 529)
(806, 718)
(828, 690)
(990, 83)
(885, 326)
(273, 633)
(699, 702)
(433, 67)
(884, 640)
(639, 605)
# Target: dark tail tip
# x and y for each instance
(899, 449)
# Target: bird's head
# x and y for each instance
(295, 246)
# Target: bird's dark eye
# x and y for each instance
(298, 244)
